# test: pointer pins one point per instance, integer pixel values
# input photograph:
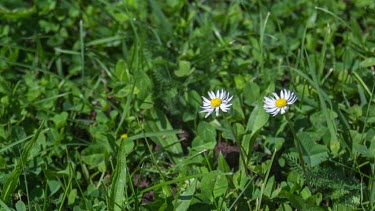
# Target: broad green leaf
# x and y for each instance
(222, 164)
(72, 196)
(305, 193)
(258, 118)
(144, 84)
(299, 203)
(119, 183)
(184, 200)
(251, 93)
(368, 62)
(274, 143)
(147, 103)
(313, 153)
(236, 112)
(158, 122)
(362, 150)
(269, 186)
(53, 186)
(240, 82)
(121, 71)
(20, 206)
(213, 185)
(206, 137)
(60, 120)
(94, 155)
(184, 69)
(207, 132)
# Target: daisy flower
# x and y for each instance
(279, 104)
(216, 102)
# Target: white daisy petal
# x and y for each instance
(222, 94)
(205, 100)
(208, 114)
(279, 104)
(211, 95)
(216, 102)
(286, 94)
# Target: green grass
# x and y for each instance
(100, 105)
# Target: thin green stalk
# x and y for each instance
(265, 182)
(153, 159)
(261, 44)
(241, 151)
(372, 189)
(68, 187)
(81, 35)
(298, 146)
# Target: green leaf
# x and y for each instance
(13, 180)
(185, 198)
(119, 177)
(207, 132)
(368, 62)
(237, 109)
(206, 137)
(274, 143)
(213, 185)
(121, 71)
(299, 203)
(313, 153)
(60, 120)
(251, 93)
(72, 196)
(258, 118)
(20, 206)
(53, 186)
(94, 155)
(222, 164)
(184, 69)
(158, 122)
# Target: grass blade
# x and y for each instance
(13, 180)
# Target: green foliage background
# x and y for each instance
(100, 102)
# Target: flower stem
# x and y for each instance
(298, 146)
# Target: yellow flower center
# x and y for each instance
(281, 102)
(216, 102)
(125, 135)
